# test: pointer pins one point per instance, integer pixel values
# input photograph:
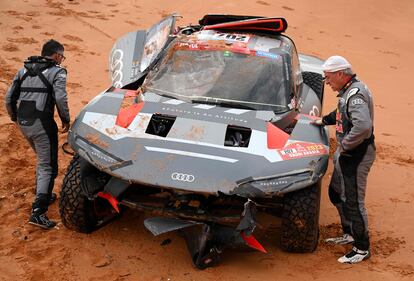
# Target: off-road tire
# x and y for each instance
(315, 82)
(300, 220)
(76, 210)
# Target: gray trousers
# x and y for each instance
(42, 137)
(347, 191)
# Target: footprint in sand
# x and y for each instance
(403, 269)
(23, 40)
(72, 48)
(33, 14)
(72, 38)
(10, 47)
(130, 22)
(385, 52)
(287, 8)
(263, 3)
(13, 13)
(385, 247)
(74, 86)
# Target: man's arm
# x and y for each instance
(358, 111)
(61, 98)
(12, 96)
(329, 119)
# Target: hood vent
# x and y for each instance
(237, 136)
(160, 125)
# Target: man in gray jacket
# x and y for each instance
(353, 157)
(30, 101)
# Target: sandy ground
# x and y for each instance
(376, 36)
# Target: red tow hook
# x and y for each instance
(112, 200)
(252, 242)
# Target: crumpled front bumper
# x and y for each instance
(207, 241)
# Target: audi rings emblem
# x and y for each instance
(182, 177)
(116, 66)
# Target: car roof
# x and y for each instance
(202, 40)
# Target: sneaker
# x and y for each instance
(341, 240)
(53, 198)
(355, 256)
(42, 221)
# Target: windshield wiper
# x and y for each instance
(163, 93)
(224, 104)
(280, 111)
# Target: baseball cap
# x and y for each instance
(335, 63)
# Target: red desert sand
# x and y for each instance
(375, 36)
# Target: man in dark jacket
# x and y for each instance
(353, 157)
(30, 101)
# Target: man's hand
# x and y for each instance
(65, 127)
(317, 122)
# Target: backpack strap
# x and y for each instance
(49, 87)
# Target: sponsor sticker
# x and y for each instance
(302, 149)
(266, 54)
(231, 37)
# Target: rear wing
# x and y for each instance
(246, 23)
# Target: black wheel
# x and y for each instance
(76, 210)
(300, 220)
(315, 81)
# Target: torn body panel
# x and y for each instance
(207, 241)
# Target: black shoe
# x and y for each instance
(42, 221)
(53, 198)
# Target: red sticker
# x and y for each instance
(302, 149)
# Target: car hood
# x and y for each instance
(113, 133)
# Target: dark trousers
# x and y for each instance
(347, 191)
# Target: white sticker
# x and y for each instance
(231, 37)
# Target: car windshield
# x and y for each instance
(256, 80)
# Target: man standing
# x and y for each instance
(30, 103)
(353, 157)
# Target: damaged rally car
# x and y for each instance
(203, 126)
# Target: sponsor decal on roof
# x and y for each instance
(232, 37)
(266, 54)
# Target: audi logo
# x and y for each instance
(116, 68)
(182, 177)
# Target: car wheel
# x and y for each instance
(300, 220)
(315, 82)
(76, 210)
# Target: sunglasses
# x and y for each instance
(62, 56)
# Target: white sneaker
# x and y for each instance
(341, 240)
(355, 256)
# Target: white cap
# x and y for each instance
(335, 63)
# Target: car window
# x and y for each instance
(258, 79)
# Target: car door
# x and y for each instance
(133, 54)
